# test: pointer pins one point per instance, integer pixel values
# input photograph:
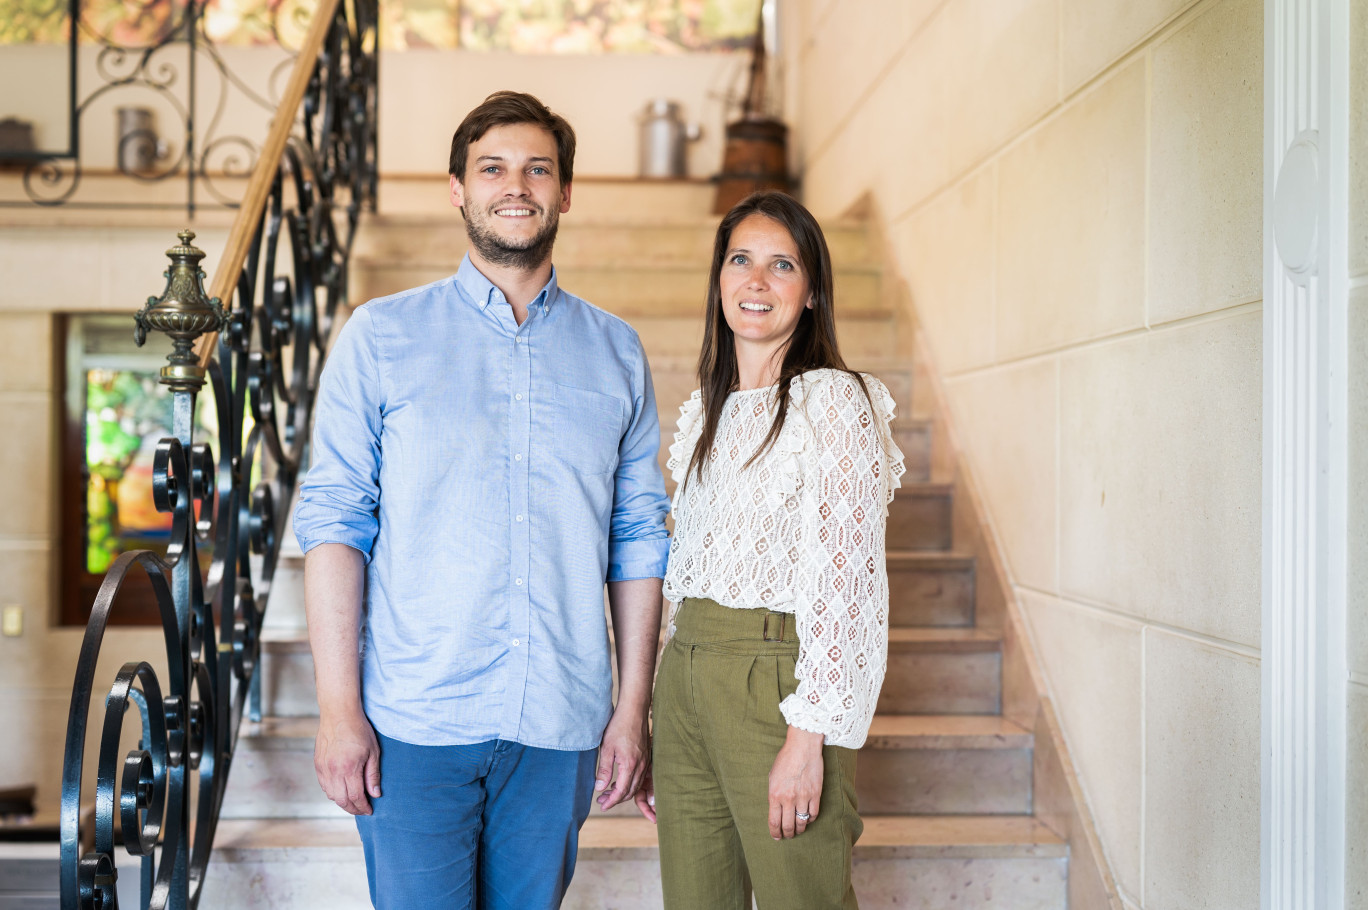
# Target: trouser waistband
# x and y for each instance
(702, 621)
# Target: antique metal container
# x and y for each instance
(140, 148)
(664, 140)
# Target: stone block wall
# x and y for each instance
(1073, 192)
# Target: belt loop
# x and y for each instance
(783, 617)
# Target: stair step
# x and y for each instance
(945, 765)
(921, 517)
(930, 588)
(632, 291)
(938, 731)
(285, 609)
(907, 836)
(910, 764)
(30, 873)
(287, 678)
(915, 639)
(675, 378)
(942, 671)
(930, 671)
(923, 862)
(861, 338)
(914, 440)
(441, 241)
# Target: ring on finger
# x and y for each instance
(802, 816)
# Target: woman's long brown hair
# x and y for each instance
(812, 346)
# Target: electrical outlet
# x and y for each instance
(13, 623)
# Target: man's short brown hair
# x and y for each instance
(505, 109)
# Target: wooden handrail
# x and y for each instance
(225, 279)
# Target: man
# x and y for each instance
(484, 458)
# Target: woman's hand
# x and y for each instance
(645, 796)
(795, 784)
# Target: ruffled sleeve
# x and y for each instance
(685, 439)
(851, 468)
(884, 411)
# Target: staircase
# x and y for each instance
(960, 773)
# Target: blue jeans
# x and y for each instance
(493, 825)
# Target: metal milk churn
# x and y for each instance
(139, 148)
(664, 138)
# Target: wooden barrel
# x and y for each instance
(755, 158)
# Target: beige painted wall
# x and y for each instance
(423, 96)
(1073, 191)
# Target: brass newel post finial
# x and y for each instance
(184, 312)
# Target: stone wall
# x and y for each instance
(1073, 192)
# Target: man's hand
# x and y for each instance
(346, 755)
(795, 784)
(624, 758)
(347, 759)
(625, 754)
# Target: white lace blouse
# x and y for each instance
(799, 531)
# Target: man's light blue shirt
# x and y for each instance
(494, 476)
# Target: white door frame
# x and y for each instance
(1305, 454)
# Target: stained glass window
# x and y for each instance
(116, 413)
(522, 26)
(126, 411)
(606, 26)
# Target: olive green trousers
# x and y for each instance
(718, 730)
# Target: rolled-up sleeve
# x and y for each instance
(638, 544)
(339, 496)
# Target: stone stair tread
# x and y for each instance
(636, 264)
(926, 488)
(284, 639)
(662, 219)
(283, 730)
(935, 638)
(878, 365)
(946, 731)
(929, 559)
(885, 837)
(234, 836)
(888, 731)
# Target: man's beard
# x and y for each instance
(522, 255)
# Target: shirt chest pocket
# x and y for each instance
(586, 429)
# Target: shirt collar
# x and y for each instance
(482, 291)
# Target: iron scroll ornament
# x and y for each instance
(159, 798)
(173, 68)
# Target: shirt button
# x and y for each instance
(518, 582)
(518, 397)
(518, 457)
(519, 518)
(516, 642)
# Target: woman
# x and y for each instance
(785, 464)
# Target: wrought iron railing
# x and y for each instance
(170, 70)
(283, 273)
